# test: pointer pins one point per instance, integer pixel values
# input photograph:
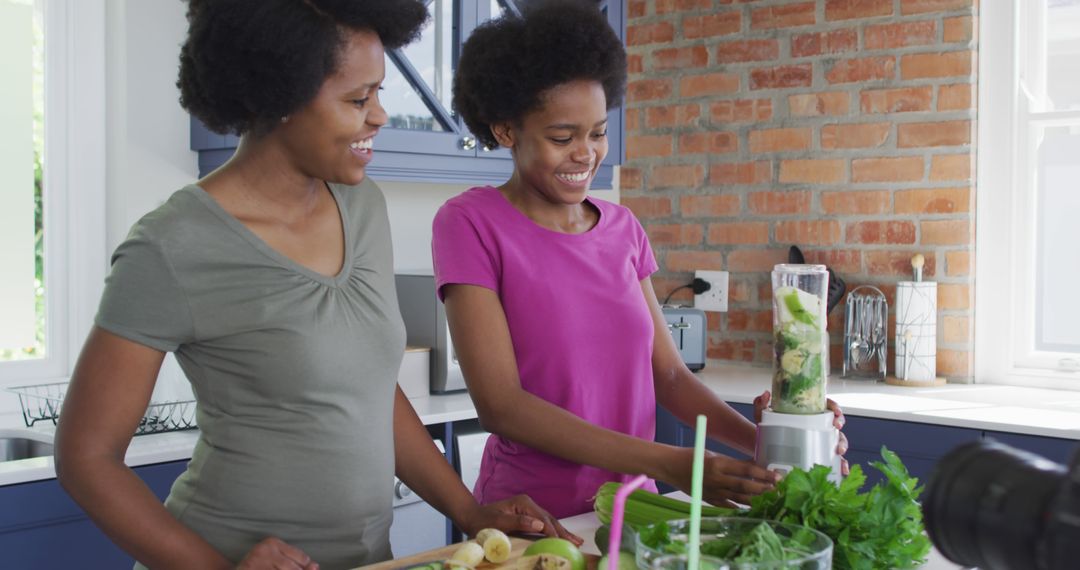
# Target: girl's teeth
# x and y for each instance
(580, 177)
(361, 145)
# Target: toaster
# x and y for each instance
(425, 325)
(688, 328)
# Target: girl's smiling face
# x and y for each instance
(558, 148)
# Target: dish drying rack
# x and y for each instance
(42, 402)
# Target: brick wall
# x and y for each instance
(843, 126)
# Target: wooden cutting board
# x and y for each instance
(518, 546)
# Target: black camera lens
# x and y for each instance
(988, 505)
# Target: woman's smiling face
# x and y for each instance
(558, 147)
(331, 137)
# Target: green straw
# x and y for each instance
(695, 494)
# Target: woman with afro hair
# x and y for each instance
(271, 279)
(547, 291)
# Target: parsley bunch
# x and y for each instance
(882, 528)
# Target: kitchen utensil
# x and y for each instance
(787, 441)
(865, 343)
(688, 330)
(916, 332)
(801, 364)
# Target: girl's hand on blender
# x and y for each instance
(842, 446)
(760, 403)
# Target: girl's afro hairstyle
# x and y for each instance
(508, 63)
(245, 64)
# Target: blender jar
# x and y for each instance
(801, 343)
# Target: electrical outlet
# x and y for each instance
(715, 299)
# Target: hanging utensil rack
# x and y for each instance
(866, 319)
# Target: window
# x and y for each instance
(22, 334)
(52, 183)
(1027, 260)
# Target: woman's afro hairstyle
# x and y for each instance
(508, 63)
(245, 64)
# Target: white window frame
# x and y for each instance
(76, 258)
(1004, 298)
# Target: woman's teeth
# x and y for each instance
(365, 144)
(579, 177)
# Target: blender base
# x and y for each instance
(787, 441)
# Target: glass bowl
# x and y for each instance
(681, 562)
(814, 553)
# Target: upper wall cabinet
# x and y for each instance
(425, 140)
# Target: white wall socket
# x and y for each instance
(716, 298)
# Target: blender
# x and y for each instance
(797, 430)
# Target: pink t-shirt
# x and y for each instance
(581, 330)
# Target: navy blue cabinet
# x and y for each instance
(42, 528)
(919, 446)
(424, 139)
(1055, 449)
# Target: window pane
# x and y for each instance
(1057, 282)
(404, 105)
(1062, 54)
(21, 113)
(432, 58)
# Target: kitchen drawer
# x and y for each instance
(905, 438)
(41, 527)
(1055, 449)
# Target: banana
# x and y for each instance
(486, 533)
(468, 554)
(496, 544)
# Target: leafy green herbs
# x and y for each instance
(879, 529)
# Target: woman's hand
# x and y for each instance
(762, 402)
(516, 514)
(725, 480)
(277, 554)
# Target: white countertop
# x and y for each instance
(990, 407)
(1053, 413)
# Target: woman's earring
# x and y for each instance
(285, 119)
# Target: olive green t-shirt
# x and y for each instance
(294, 373)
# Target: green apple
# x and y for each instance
(558, 547)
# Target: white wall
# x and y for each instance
(148, 132)
(147, 135)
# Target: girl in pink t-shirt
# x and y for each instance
(547, 291)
